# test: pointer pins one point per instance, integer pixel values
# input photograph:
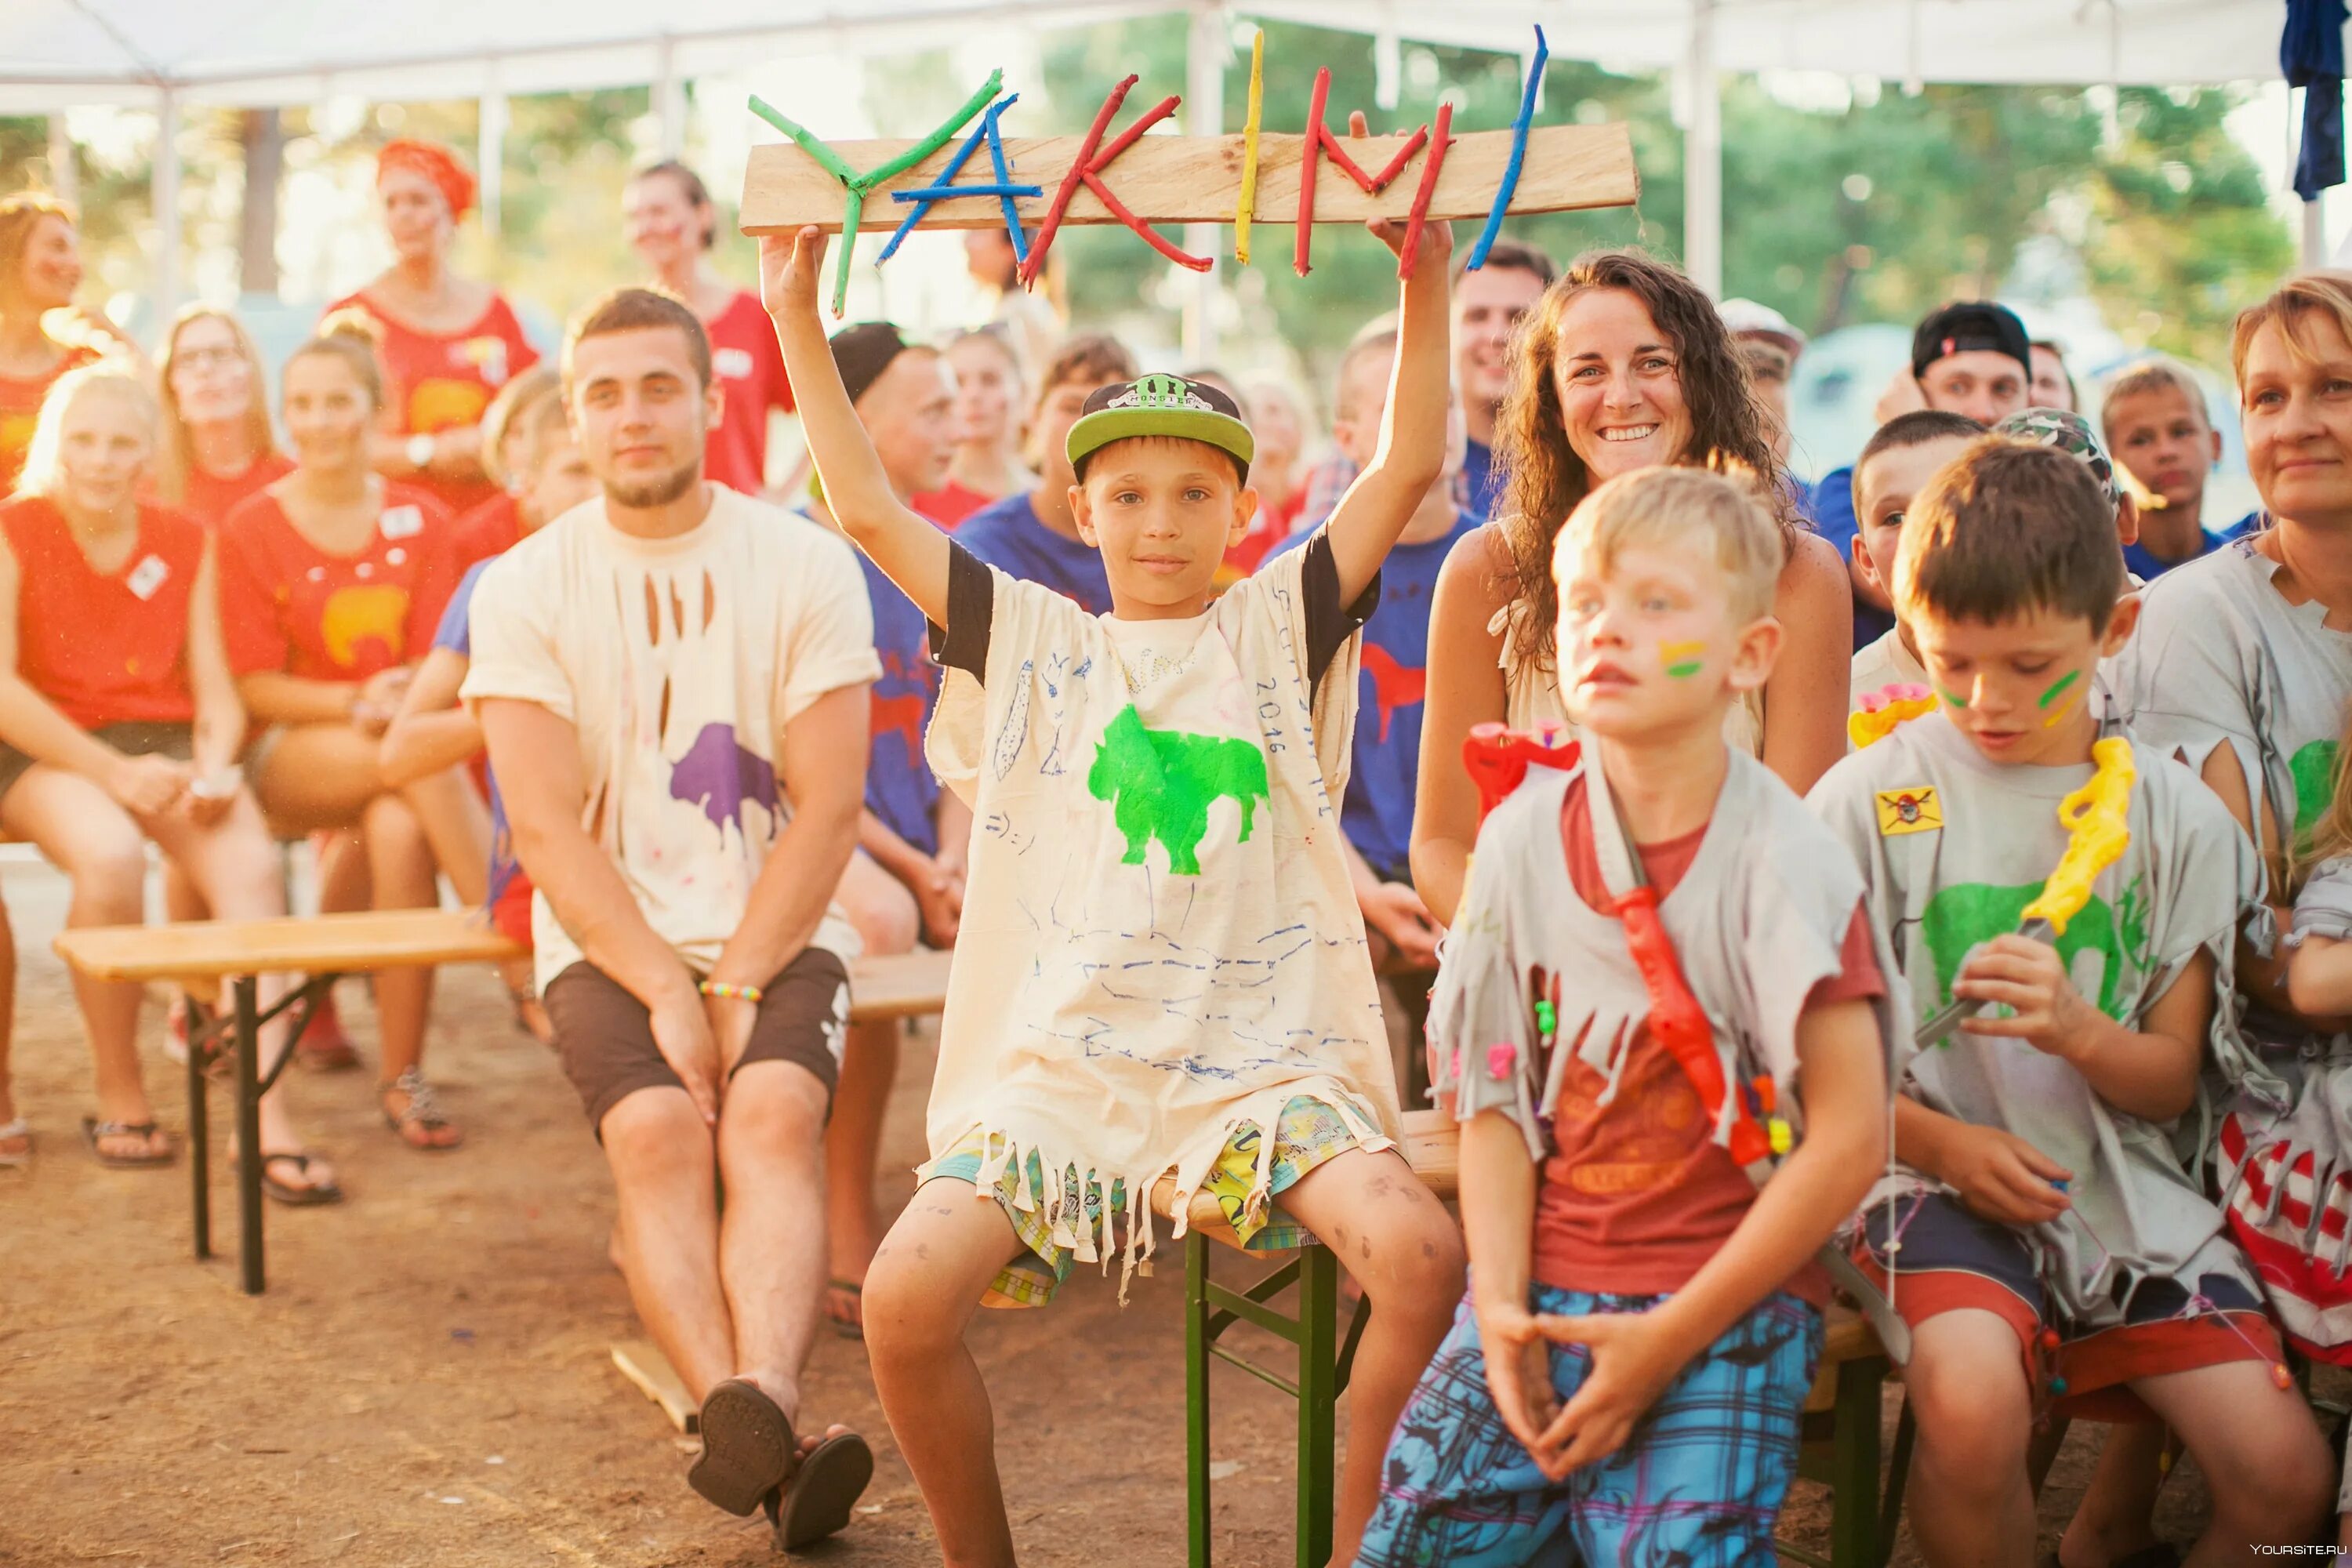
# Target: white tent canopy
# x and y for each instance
(169, 54)
(55, 54)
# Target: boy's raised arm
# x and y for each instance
(1412, 453)
(911, 551)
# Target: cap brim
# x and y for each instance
(1103, 426)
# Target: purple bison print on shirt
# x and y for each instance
(720, 776)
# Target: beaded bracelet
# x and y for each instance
(726, 990)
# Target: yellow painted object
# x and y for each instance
(1248, 202)
(1882, 710)
(2097, 817)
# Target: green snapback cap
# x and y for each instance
(1160, 405)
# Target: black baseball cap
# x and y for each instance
(1967, 325)
(863, 352)
(1160, 405)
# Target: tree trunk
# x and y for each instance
(256, 247)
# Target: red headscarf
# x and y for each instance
(436, 164)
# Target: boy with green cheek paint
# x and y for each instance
(2059, 1254)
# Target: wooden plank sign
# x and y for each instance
(1197, 179)
(1135, 180)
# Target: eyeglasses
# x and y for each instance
(207, 359)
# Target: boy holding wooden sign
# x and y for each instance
(1162, 972)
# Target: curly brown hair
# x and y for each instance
(1729, 428)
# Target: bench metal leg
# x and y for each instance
(1854, 1467)
(1318, 1334)
(199, 1135)
(1196, 1401)
(1898, 1470)
(248, 1134)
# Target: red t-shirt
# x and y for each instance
(950, 503)
(209, 499)
(105, 649)
(440, 380)
(20, 411)
(1637, 1197)
(491, 529)
(290, 606)
(750, 367)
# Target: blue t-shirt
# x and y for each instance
(456, 634)
(1480, 478)
(900, 788)
(1006, 535)
(2149, 567)
(1376, 815)
(1832, 504)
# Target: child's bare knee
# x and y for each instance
(1977, 1419)
(1415, 1267)
(909, 1316)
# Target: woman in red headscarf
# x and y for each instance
(449, 342)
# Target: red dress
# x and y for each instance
(105, 649)
(289, 607)
(20, 410)
(209, 499)
(440, 380)
(749, 369)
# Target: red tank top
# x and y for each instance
(105, 649)
(441, 379)
(20, 410)
(208, 500)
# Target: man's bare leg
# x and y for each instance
(2115, 1517)
(664, 1174)
(771, 1256)
(924, 1287)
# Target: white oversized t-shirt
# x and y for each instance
(678, 661)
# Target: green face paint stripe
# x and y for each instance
(1955, 701)
(2057, 686)
(1684, 669)
(1682, 659)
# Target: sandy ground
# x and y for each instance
(427, 1383)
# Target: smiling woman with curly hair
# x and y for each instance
(1624, 366)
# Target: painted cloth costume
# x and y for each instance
(1159, 957)
(2138, 1276)
(2220, 657)
(1763, 914)
(288, 606)
(680, 662)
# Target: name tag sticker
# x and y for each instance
(1913, 810)
(147, 576)
(401, 522)
(735, 365)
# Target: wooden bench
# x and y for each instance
(1840, 1446)
(199, 956)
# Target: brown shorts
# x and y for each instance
(606, 1036)
(137, 739)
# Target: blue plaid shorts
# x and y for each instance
(1700, 1482)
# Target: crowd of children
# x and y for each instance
(1934, 885)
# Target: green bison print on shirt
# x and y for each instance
(1161, 783)
(1962, 917)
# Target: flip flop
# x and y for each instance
(94, 1132)
(816, 1502)
(747, 1447)
(292, 1196)
(9, 1132)
(849, 1325)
